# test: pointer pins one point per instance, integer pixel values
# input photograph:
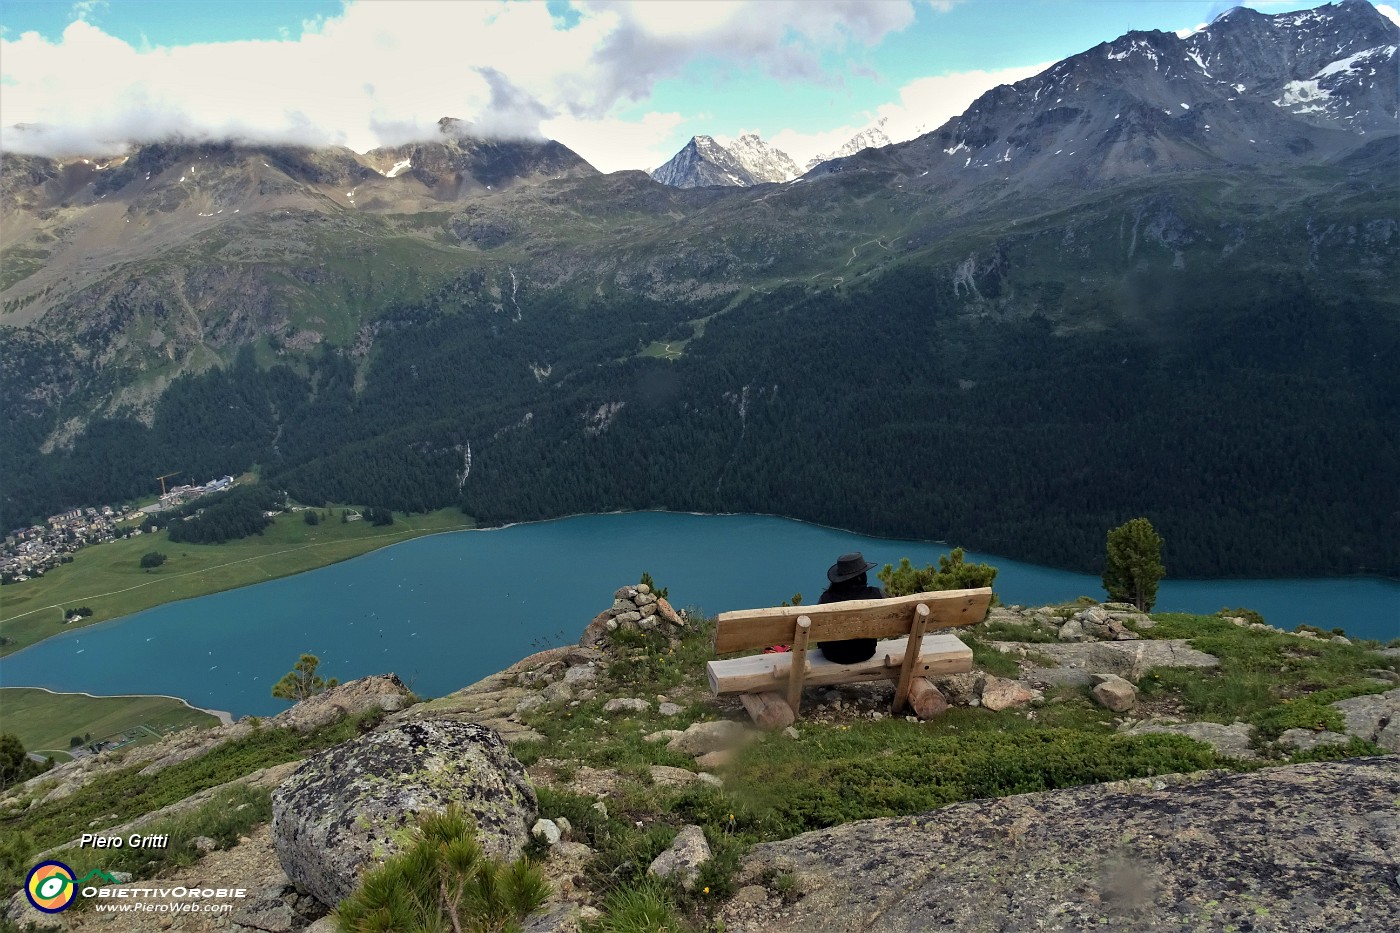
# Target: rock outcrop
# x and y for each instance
(347, 808)
(1375, 718)
(1312, 847)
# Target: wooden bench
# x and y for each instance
(770, 685)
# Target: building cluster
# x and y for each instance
(30, 552)
(181, 494)
(33, 551)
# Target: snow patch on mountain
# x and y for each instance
(872, 137)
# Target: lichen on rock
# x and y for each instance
(349, 807)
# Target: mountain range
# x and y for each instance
(1158, 278)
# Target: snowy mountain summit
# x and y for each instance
(872, 137)
(746, 161)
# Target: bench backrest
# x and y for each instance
(745, 629)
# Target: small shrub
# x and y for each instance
(641, 908)
(1249, 615)
(443, 881)
(953, 573)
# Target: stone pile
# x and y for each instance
(634, 609)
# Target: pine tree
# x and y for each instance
(1134, 566)
(301, 681)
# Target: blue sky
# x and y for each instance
(625, 84)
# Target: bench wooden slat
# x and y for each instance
(859, 618)
(939, 654)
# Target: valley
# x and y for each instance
(1123, 286)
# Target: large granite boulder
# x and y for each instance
(348, 808)
(1310, 847)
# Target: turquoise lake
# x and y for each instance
(447, 610)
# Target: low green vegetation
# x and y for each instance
(47, 722)
(125, 794)
(953, 573)
(844, 766)
(109, 579)
(1271, 680)
(226, 817)
(442, 881)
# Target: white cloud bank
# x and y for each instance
(923, 105)
(383, 73)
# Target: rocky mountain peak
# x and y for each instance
(705, 162)
(872, 137)
(1248, 89)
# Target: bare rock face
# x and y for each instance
(1307, 847)
(382, 692)
(344, 810)
(1375, 718)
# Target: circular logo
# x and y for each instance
(50, 887)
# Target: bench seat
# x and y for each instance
(940, 654)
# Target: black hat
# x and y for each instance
(848, 567)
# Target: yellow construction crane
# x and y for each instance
(162, 481)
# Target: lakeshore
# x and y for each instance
(446, 609)
(109, 580)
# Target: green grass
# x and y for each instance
(894, 768)
(45, 721)
(665, 350)
(125, 794)
(1273, 681)
(107, 578)
(224, 819)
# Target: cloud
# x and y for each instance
(383, 73)
(1389, 12)
(921, 106)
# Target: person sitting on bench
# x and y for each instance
(848, 581)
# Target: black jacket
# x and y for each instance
(850, 650)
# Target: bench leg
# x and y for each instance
(917, 627)
(799, 664)
(769, 711)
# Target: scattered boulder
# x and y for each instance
(718, 758)
(1306, 739)
(704, 737)
(342, 811)
(1232, 741)
(961, 689)
(1114, 692)
(999, 693)
(627, 705)
(1375, 718)
(670, 709)
(1072, 630)
(581, 675)
(667, 776)
(548, 830)
(687, 853)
